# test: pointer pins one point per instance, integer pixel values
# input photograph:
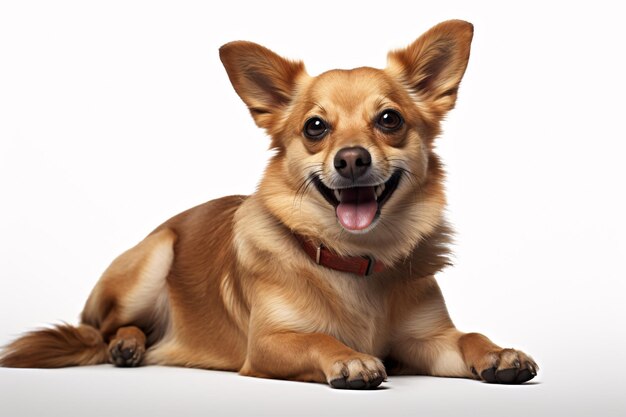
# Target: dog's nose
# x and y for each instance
(352, 162)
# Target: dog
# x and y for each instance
(326, 272)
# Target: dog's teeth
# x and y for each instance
(379, 190)
(337, 195)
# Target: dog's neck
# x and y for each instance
(321, 255)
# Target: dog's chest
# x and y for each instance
(357, 312)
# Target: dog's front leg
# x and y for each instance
(311, 357)
(452, 353)
(428, 343)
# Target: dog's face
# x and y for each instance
(354, 162)
(354, 137)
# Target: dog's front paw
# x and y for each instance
(506, 366)
(359, 372)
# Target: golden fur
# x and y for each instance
(226, 285)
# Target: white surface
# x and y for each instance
(105, 391)
(115, 116)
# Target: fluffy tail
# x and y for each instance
(56, 347)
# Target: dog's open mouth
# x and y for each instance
(358, 207)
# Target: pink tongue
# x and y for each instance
(357, 208)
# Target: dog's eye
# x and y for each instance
(315, 128)
(389, 121)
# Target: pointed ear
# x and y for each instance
(432, 66)
(265, 81)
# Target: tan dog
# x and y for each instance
(328, 268)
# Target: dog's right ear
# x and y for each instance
(265, 81)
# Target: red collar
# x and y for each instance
(359, 265)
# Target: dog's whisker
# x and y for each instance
(304, 186)
(313, 164)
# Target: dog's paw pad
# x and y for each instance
(489, 375)
(506, 376)
(524, 375)
(339, 383)
(508, 366)
(126, 352)
(365, 372)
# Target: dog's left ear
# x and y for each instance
(265, 81)
(432, 66)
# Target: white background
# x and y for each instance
(116, 115)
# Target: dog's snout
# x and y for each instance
(352, 162)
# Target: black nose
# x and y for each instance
(352, 162)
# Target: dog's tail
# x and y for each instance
(57, 347)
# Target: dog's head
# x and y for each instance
(354, 165)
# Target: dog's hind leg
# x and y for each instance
(131, 295)
(129, 305)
